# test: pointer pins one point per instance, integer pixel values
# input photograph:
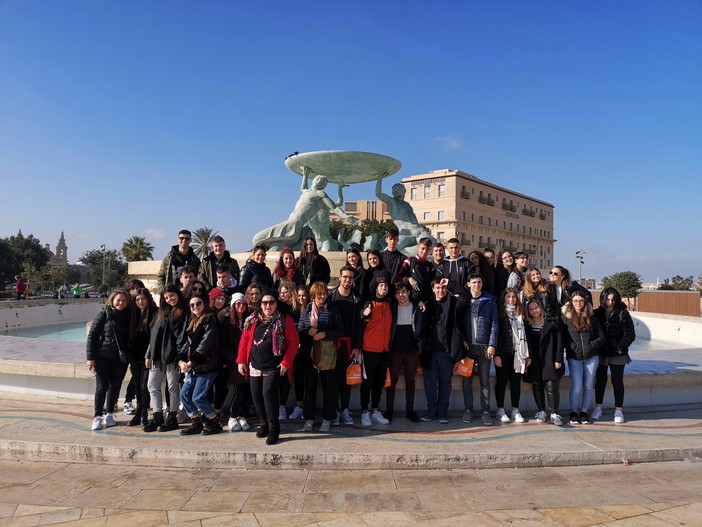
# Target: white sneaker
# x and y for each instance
(336, 421)
(309, 424)
(618, 417)
(556, 420)
(234, 425)
(326, 425)
(98, 423)
(282, 413)
(517, 417)
(128, 408)
(501, 415)
(110, 421)
(366, 419)
(540, 416)
(596, 413)
(346, 417)
(244, 423)
(296, 413)
(378, 418)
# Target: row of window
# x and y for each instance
(441, 216)
(528, 211)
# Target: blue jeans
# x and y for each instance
(193, 394)
(440, 373)
(582, 382)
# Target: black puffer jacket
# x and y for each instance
(553, 304)
(618, 328)
(140, 342)
(585, 344)
(163, 343)
(201, 347)
(255, 273)
(108, 337)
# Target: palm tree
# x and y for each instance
(201, 241)
(137, 249)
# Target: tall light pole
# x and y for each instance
(579, 256)
(103, 264)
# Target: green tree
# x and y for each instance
(677, 283)
(137, 249)
(107, 269)
(32, 275)
(627, 283)
(8, 268)
(23, 250)
(201, 241)
(698, 286)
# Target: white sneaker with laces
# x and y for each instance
(98, 423)
(326, 425)
(366, 418)
(618, 417)
(296, 413)
(556, 420)
(110, 421)
(540, 416)
(308, 426)
(346, 417)
(128, 408)
(244, 423)
(282, 413)
(337, 420)
(596, 413)
(378, 418)
(501, 415)
(517, 416)
(234, 425)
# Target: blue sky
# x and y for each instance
(141, 118)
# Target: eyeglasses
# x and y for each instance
(183, 238)
(196, 304)
(267, 302)
(507, 257)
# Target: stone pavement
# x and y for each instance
(54, 470)
(648, 494)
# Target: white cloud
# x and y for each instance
(155, 234)
(449, 143)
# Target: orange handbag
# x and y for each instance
(354, 374)
(420, 370)
(388, 379)
(464, 367)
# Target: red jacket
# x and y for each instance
(292, 342)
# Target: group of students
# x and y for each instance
(225, 337)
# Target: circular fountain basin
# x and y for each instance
(344, 166)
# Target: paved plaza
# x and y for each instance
(54, 470)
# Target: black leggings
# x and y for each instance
(108, 376)
(265, 391)
(617, 374)
(504, 375)
(238, 399)
(553, 394)
(375, 366)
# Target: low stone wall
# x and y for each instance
(36, 312)
(671, 328)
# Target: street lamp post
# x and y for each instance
(579, 256)
(103, 264)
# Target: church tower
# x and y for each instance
(62, 250)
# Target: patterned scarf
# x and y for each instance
(275, 322)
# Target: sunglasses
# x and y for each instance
(183, 239)
(196, 304)
(267, 302)
(554, 274)
(197, 289)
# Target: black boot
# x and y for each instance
(153, 423)
(211, 426)
(273, 436)
(136, 418)
(144, 417)
(194, 428)
(263, 431)
(170, 423)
